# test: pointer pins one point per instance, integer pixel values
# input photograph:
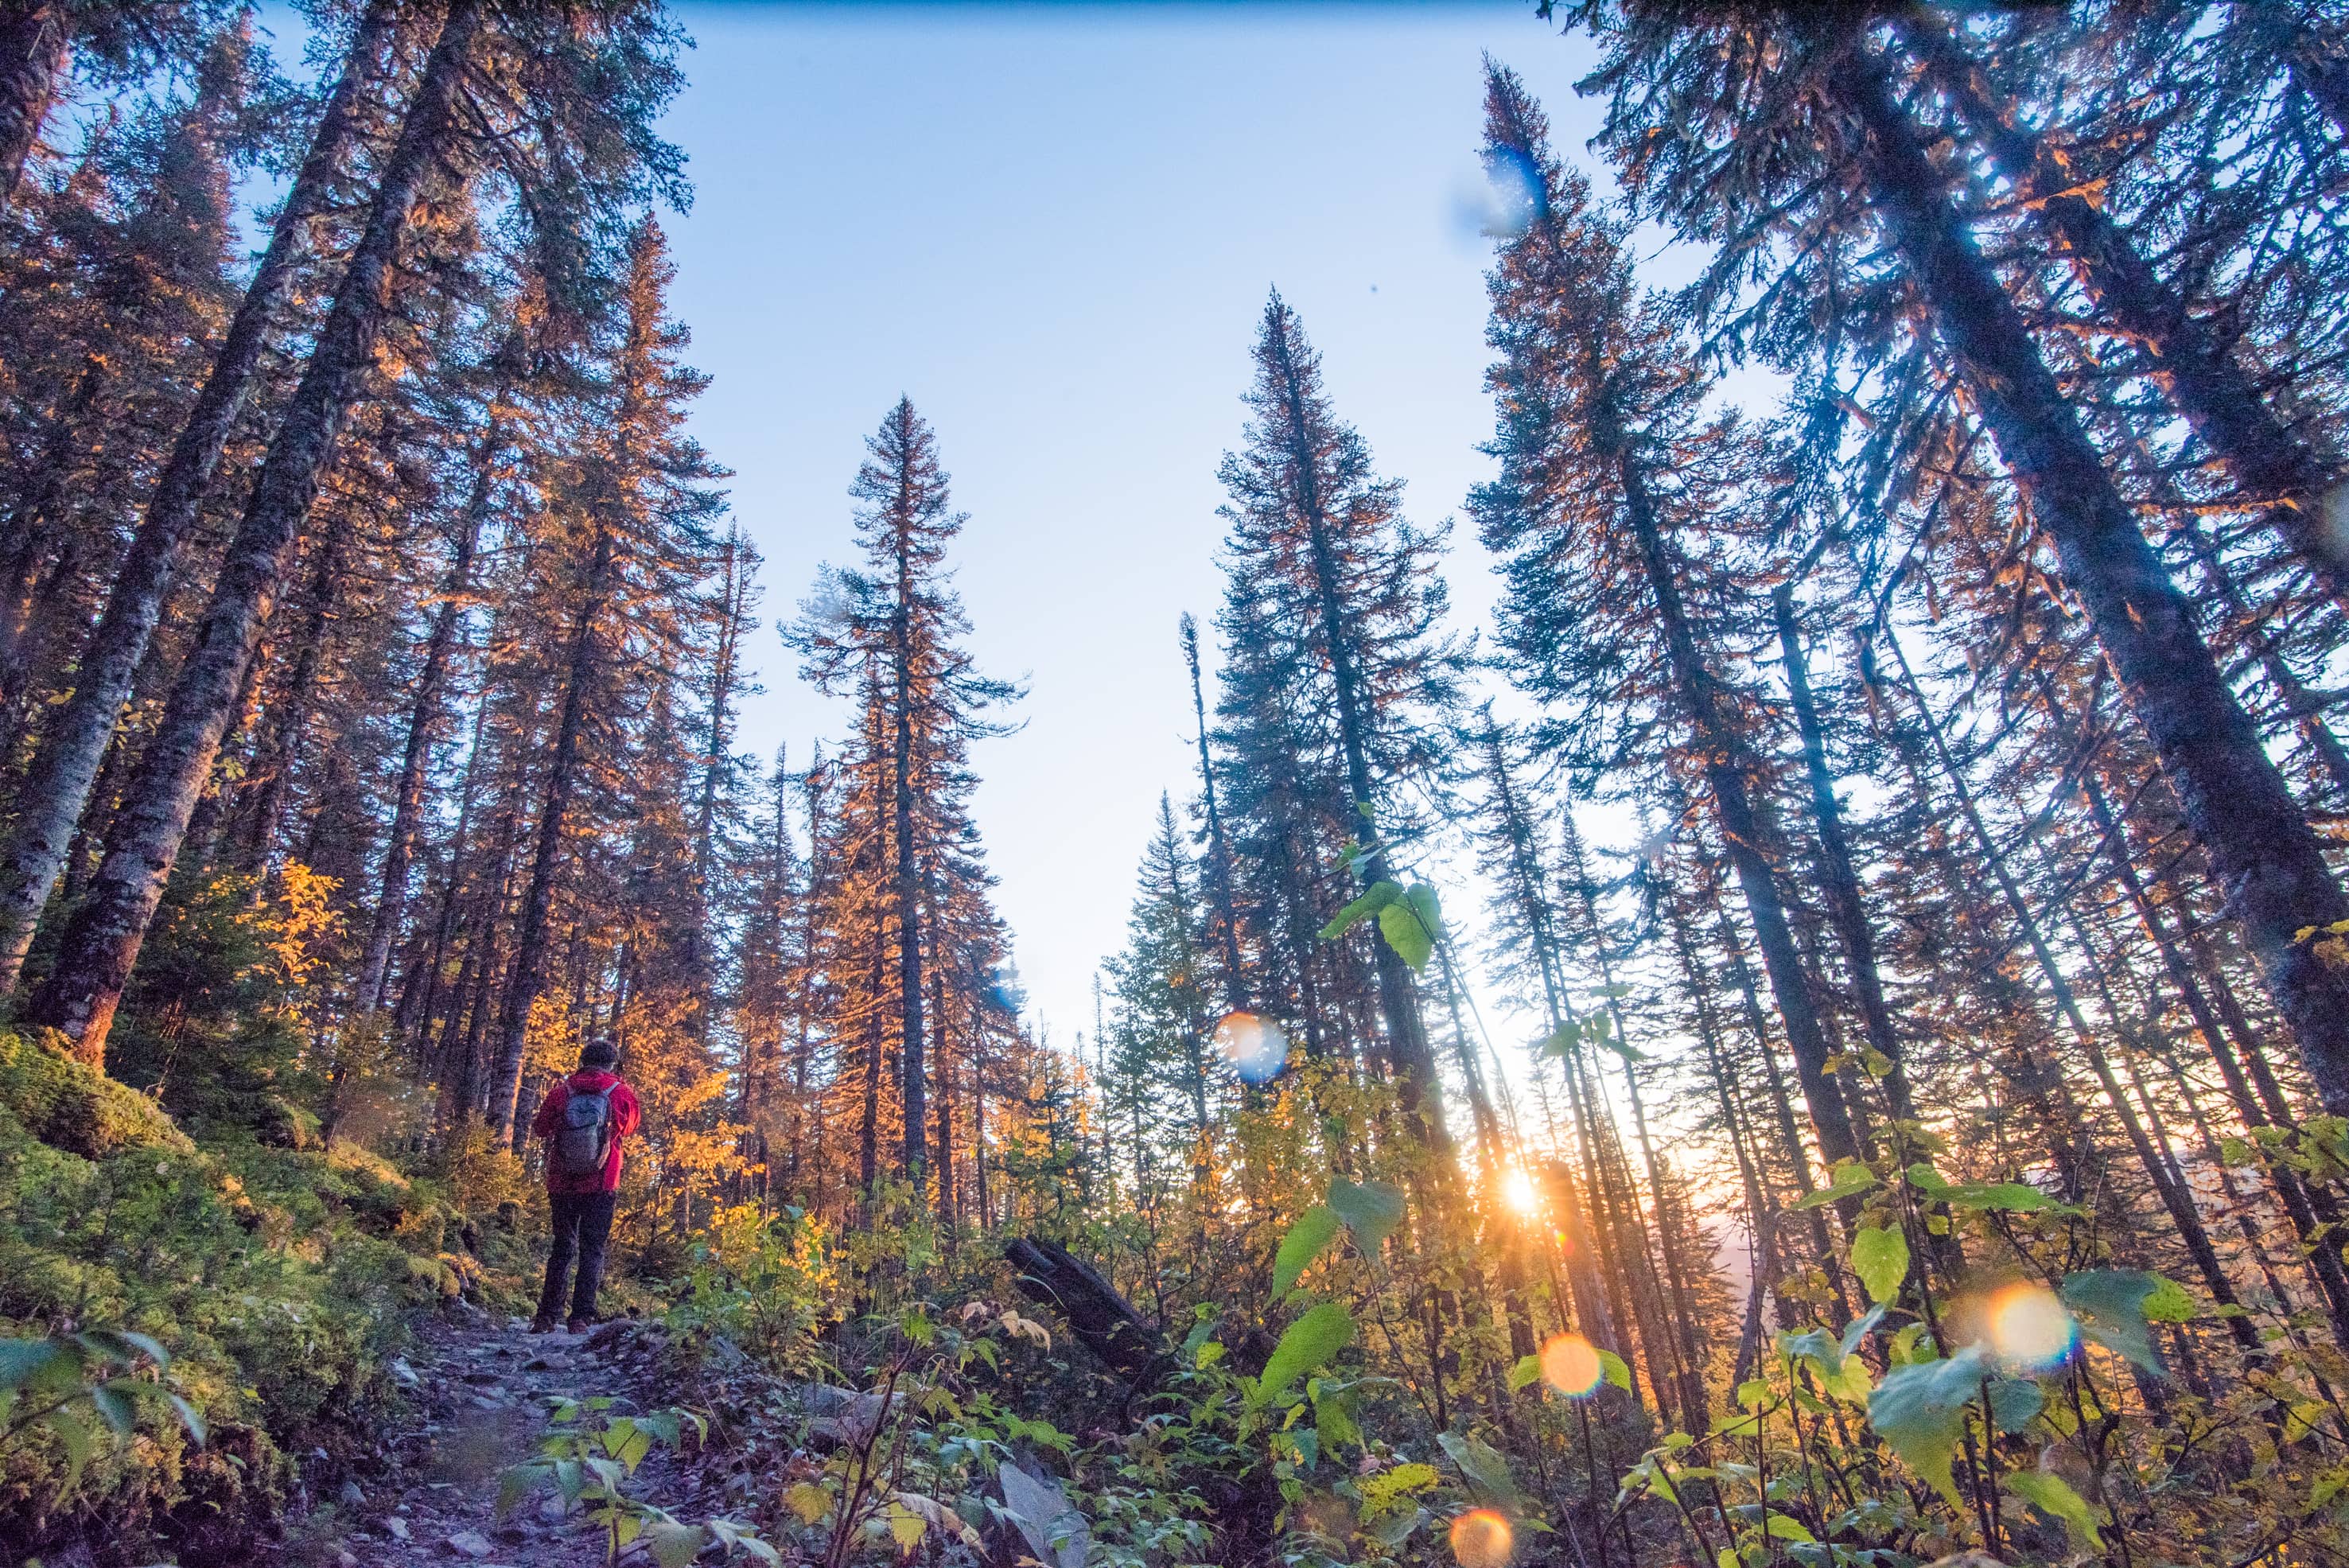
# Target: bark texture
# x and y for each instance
(74, 745)
(102, 940)
(2262, 849)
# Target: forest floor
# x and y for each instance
(479, 1392)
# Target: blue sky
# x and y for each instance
(1053, 227)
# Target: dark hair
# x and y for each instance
(599, 1054)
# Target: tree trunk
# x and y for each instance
(103, 938)
(1724, 756)
(1678, 1331)
(260, 815)
(35, 38)
(914, 1087)
(1416, 1083)
(2271, 466)
(2324, 1261)
(423, 720)
(1219, 855)
(76, 741)
(2260, 847)
(1839, 882)
(1104, 1322)
(528, 976)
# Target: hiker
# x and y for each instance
(583, 1122)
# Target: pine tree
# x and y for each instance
(102, 940)
(897, 628)
(1317, 548)
(1611, 477)
(1861, 156)
(637, 522)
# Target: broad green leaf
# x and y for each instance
(809, 1501)
(1880, 1259)
(1410, 923)
(1486, 1470)
(115, 1407)
(1371, 1209)
(1396, 1528)
(1312, 1231)
(1849, 1179)
(1616, 1371)
(2053, 1496)
(1623, 1048)
(1851, 1381)
(24, 1361)
(515, 1483)
(1525, 1373)
(2167, 1302)
(906, 1527)
(674, 1543)
(1309, 1343)
(1817, 1344)
(2110, 1305)
(189, 1419)
(1927, 1180)
(2014, 1401)
(1376, 897)
(75, 1438)
(1786, 1527)
(1921, 1411)
(2004, 1197)
(1860, 1327)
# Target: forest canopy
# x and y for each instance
(1817, 1032)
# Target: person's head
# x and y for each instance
(598, 1054)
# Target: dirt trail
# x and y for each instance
(478, 1397)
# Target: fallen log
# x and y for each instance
(1104, 1322)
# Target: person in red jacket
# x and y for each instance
(582, 1124)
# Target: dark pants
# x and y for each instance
(582, 1224)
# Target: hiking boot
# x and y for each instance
(542, 1325)
(579, 1325)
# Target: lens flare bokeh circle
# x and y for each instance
(1570, 1366)
(2029, 1328)
(1252, 1045)
(1482, 1539)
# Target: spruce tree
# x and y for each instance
(1319, 557)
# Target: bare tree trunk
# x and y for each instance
(2261, 847)
(34, 40)
(424, 718)
(1679, 1332)
(1724, 755)
(1219, 855)
(76, 741)
(2274, 468)
(1839, 880)
(259, 817)
(563, 769)
(2323, 1259)
(103, 938)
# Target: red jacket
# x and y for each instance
(626, 1115)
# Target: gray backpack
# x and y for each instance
(583, 1140)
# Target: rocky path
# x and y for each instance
(479, 1396)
